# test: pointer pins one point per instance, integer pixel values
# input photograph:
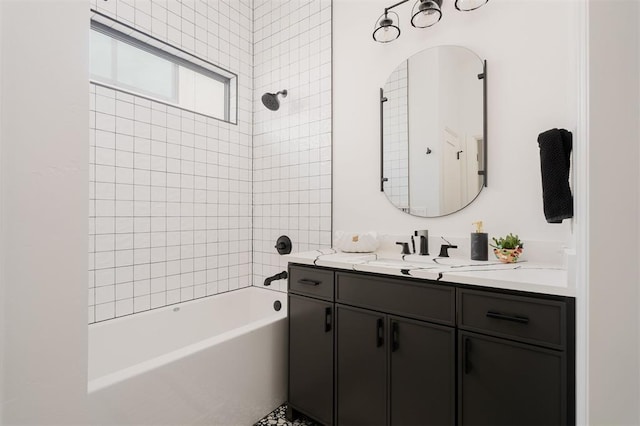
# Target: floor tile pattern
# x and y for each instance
(277, 417)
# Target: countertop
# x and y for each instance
(521, 276)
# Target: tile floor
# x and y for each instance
(277, 417)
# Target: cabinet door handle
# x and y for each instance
(327, 320)
(308, 282)
(395, 341)
(379, 332)
(514, 318)
(466, 350)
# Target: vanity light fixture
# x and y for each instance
(386, 30)
(424, 14)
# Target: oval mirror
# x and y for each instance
(433, 131)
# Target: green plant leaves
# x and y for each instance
(508, 242)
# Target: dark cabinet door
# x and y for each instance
(361, 367)
(311, 357)
(507, 383)
(422, 378)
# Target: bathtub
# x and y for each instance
(219, 360)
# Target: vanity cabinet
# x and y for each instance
(507, 383)
(311, 343)
(361, 368)
(513, 363)
(367, 349)
(422, 373)
(393, 369)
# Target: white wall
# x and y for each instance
(44, 168)
(531, 53)
(613, 334)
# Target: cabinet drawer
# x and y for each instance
(401, 297)
(311, 281)
(528, 319)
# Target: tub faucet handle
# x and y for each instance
(283, 245)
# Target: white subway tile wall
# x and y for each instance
(291, 146)
(184, 206)
(396, 137)
(171, 191)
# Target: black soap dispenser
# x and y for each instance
(479, 243)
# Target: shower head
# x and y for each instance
(270, 100)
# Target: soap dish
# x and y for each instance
(366, 242)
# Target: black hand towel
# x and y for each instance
(555, 158)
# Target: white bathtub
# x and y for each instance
(219, 360)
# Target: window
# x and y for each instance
(158, 71)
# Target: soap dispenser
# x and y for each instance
(479, 243)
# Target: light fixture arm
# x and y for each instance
(386, 9)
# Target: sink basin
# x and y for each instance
(352, 257)
(400, 264)
(442, 262)
(412, 261)
(421, 260)
(453, 262)
(392, 263)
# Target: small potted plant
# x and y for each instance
(507, 249)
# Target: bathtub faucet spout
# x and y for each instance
(282, 275)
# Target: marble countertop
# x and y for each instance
(521, 276)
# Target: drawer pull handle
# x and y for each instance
(379, 332)
(327, 320)
(395, 337)
(308, 282)
(506, 317)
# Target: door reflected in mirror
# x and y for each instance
(434, 132)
